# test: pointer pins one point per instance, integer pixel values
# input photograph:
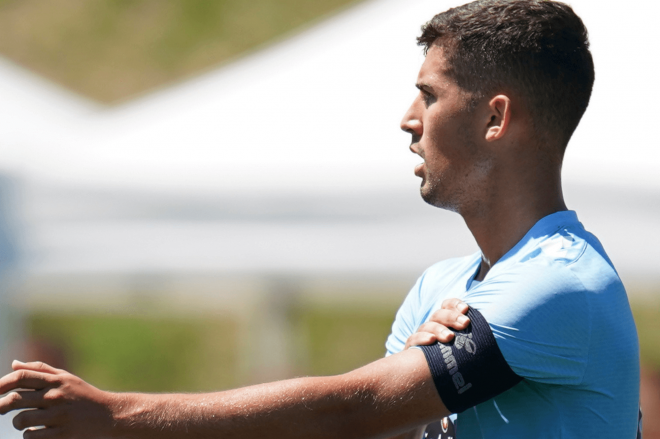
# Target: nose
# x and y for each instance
(411, 122)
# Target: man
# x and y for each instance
(551, 348)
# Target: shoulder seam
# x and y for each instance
(577, 258)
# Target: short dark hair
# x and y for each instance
(538, 49)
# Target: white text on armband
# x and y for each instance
(470, 369)
(456, 376)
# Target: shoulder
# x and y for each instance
(550, 274)
(547, 298)
(445, 279)
(541, 320)
(449, 265)
(542, 307)
(531, 292)
(437, 282)
(446, 272)
(569, 248)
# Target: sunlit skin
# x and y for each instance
(442, 135)
(481, 160)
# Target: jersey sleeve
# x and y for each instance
(470, 369)
(405, 324)
(541, 322)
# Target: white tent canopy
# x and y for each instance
(290, 159)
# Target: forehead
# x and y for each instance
(434, 70)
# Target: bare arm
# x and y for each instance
(391, 396)
(450, 315)
(412, 434)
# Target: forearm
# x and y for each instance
(293, 408)
(379, 400)
(417, 433)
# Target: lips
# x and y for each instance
(414, 147)
(419, 170)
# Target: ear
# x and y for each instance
(499, 109)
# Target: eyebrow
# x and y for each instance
(425, 87)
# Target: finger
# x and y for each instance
(38, 366)
(35, 418)
(420, 339)
(23, 399)
(43, 433)
(441, 332)
(457, 304)
(450, 318)
(25, 379)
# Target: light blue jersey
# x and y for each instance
(561, 318)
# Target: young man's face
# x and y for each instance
(445, 133)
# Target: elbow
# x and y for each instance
(382, 399)
(365, 406)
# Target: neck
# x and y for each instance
(508, 210)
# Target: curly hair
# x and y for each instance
(537, 49)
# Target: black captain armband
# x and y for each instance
(470, 369)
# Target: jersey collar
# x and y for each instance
(546, 226)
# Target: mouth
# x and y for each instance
(419, 170)
(414, 147)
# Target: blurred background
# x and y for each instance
(197, 195)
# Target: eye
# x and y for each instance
(427, 97)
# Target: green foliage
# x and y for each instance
(112, 49)
(143, 354)
(647, 319)
(168, 354)
(201, 354)
(341, 339)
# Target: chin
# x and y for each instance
(432, 196)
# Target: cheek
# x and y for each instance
(437, 165)
(434, 130)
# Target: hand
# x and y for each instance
(61, 402)
(450, 315)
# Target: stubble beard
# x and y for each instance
(431, 191)
(462, 197)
